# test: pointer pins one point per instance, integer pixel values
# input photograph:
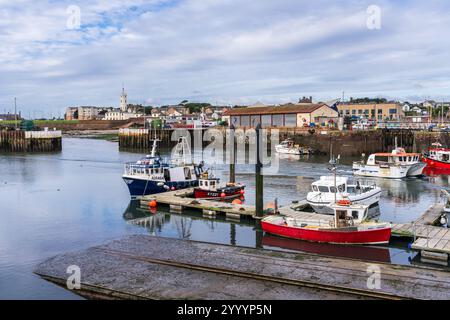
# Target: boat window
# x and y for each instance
(323, 189)
(380, 159)
(167, 174)
(187, 173)
(332, 189)
(351, 189)
(314, 188)
(409, 158)
(355, 214)
(341, 188)
(212, 183)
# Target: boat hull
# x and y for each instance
(366, 237)
(391, 172)
(142, 187)
(206, 194)
(291, 151)
(431, 163)
(416, 169)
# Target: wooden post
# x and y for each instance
(259, 191)
(232, 155)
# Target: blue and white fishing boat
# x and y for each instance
(152, 175)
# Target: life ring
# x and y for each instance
(344, 203)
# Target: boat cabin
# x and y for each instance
(437, 152)
(288, 143)
(346, 215)
(208, 182)
(326, 185)
(386, 159)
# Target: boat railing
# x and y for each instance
(307, 222)
(133, 169)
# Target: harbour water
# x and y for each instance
(67, 201)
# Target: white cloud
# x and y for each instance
(223, 50)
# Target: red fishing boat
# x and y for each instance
(349, 226)
(209, 187)
(437, 157)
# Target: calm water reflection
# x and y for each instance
(53, 203)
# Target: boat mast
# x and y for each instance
(334, 162)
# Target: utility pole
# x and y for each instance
(15, 112)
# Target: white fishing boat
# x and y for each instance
(289, 147)
(330, 189)
(395, 165)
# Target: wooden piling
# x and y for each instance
(259, 180)
(30, 141)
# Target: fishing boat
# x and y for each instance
(210, 188)
(349, 226)
(329, 189)
(289, 147)
(437, 157)
(151, 174)
(395, 165)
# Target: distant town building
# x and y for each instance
(88, 113)
(305, 100)
(288, 115)
(125, 111)
(10, 116)
(85, 113)
(379, 112)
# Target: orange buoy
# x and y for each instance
(242, 191)
(153, 204)
(237, 201)
(173, 189)
(270, 205)
(223, 195)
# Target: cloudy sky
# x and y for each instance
(220, 51)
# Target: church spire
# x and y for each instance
(123, 100)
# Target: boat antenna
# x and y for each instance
(334, 162)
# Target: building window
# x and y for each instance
(236, 121)
(353, 112)
(266, 120)
(290, 120)
(366, 111)
(392, 111)
(255, 120)
(360, 111)
(245, 121)
(380, 111)
(277, 120)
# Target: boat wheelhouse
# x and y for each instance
(152, 175)
(348, 226)
(209, 187)
(329, 189)
(437, 157)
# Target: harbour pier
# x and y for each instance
(30, 141)
(147, 267)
